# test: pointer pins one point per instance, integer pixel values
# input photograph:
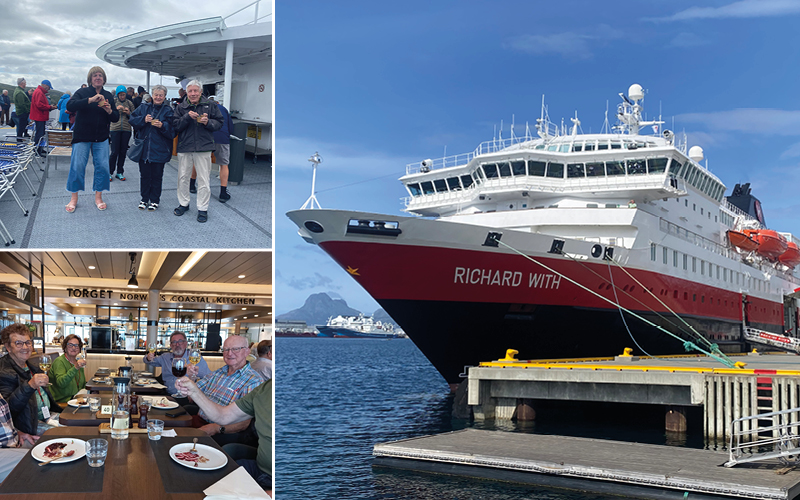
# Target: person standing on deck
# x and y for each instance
(63, 116)
(222, 140)
(40, 113)
(5, 108)
(22, 107)
(120, 134)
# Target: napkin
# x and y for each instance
(81, 392)
(158, 386)
(238, 485)
(169, 433)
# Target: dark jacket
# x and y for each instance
(20, 396)
(91, 121)
(195, 137)
(223, 135)
(157, 141)
(5, 101)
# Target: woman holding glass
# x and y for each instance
(67, 373)
(23, 384)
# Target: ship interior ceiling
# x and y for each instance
(235, 285)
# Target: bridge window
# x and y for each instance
(453, 184)
(564, 148)
(657, 165)
(536, 168)
(636, 167)
(555, 170)
(505, 169)
(466, 181)
(440, 185)
(616, 145)
(615, 168)
(577, 147)
(595, 169)
(575, 170)
(490, 169)
(675, 167)
(518, 167)
(602, 146)
(414, 189)
(589, 146)
(427, 187)
(552, 147)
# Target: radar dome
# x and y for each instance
(635, 92)
(696, 153)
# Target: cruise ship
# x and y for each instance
(357, 327)
(564, 244)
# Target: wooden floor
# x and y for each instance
(591, 464)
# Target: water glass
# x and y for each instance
(94, 404)
(120, 421)
(96, 451)
(154, 429)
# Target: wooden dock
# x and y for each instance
(595, 465)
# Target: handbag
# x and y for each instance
(135, 152)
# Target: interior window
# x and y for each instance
(552, 147)
(466, 181)
(453, 184)
(536, 168)
(490, 169)
(636, 167)
(564, 148)
(518, 167)
(615, 168)
(555, 170)
(595, 169)
(427, 187)
(440, 185)
(414, 188)
(575, 170)
(616, 145)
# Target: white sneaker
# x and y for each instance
(142, 205)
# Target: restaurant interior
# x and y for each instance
(118, 301)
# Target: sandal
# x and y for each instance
(101, 206)
(142, 205)
(71, 208)
(153, 207)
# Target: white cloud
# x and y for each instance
(792, 152)
(741, 9)
(568, 44)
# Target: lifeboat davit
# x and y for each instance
(771, 244)
(741, 240)
(791, 257)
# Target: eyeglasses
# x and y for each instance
(73, 345)
(20, 343)
(233, 349)
(177, 341)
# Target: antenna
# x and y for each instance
(316, 159)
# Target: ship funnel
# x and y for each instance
(635, 92)
(696, 153)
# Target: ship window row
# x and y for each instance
(686, 262)
(697, 177)
(579, 146)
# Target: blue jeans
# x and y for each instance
(77, 166)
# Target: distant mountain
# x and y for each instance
(53, 95)
(317, 309)
(383, 317)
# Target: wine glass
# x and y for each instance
(194, 358)
(179, 370)
(44, 364)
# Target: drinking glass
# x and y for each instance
(44, 364)
(151, 347)
(179, 370)
(194, 358)
(120, 421)
(96, 451)
(81, 355)
(154, 429)
(94, 404)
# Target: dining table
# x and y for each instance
(152, 387)
(136, 468)
(83, 416)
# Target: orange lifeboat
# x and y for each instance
(791, 257)
(741, 240)
(771, 244)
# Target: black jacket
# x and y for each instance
(194, 137)
(91, 121)
(157, 141)
(20, 396)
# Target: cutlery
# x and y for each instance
(194, 444)
(53, 460)
(76, 409)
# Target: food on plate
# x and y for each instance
(81, 401)
(191, 456)
(54, 450)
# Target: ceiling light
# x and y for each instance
(241, 276)
(244, 309)
(133, 283)
(92, 267)
(116, 304)
(189, 264)
(255, 315)
(245, 317)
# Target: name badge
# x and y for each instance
(45, 412)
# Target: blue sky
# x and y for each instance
(374, 86)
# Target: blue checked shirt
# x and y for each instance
(8, 434)
(223, 389)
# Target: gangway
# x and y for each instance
(790, 344)
(751, 441)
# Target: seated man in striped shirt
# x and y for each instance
(224, 386)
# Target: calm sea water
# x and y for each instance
(336, 398)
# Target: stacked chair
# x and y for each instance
(15, 158)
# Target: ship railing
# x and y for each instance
(256, 18)
(485, 147)
(765, 437)
(738, 212)
(692, 237)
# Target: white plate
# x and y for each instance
(74, 402)
(145, 374)
(159, 404)
(216, 458)
(144, 381)
(78, 445)
(100, 380)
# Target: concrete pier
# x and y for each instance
(600, 466)
(767, 383)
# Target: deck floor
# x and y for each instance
(594, 460)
